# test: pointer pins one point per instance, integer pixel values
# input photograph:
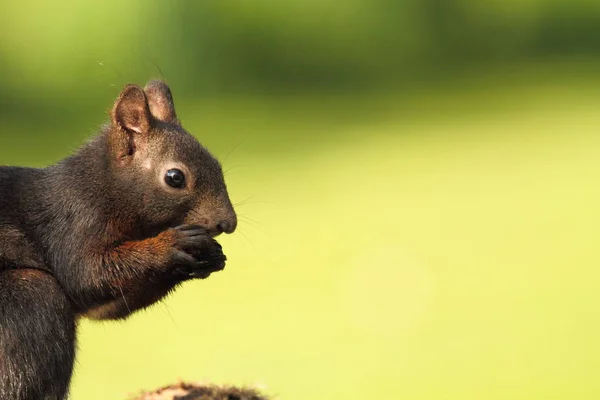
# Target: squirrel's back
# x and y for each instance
(14, 182)
(16, 247)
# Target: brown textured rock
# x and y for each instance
(192, 391)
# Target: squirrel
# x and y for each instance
(105, 232)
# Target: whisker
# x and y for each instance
(239, 203)
(147, 59)
(253, 202)
(254, 225)
(152, 61)
(248, 219)
(235, 147)
(234, 167)
(228, 170)
(247, 201)
(246, 237)
(168, 311)
(124, 300)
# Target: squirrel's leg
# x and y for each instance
(137, 274)
(37, 336)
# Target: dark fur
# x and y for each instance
(99, 235)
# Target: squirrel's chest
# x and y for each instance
(16, 251)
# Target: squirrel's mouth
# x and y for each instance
(214, 232)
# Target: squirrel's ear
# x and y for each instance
(160, 101)
(131, 112)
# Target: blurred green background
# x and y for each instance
(417, 185)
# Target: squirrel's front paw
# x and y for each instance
(196, 253)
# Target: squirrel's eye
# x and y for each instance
(175, 178)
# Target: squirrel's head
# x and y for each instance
(164, 173)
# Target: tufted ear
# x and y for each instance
(131, 112)
(160, 101)
(131, 122)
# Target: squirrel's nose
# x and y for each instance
(228, 225)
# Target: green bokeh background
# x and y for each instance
(417, 185)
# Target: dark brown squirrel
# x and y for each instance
(105, 232)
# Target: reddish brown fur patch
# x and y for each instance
(148, 251)
(31, 274)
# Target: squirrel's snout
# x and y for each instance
(215, 218)
(227, 225)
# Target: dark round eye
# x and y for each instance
(175, 178)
